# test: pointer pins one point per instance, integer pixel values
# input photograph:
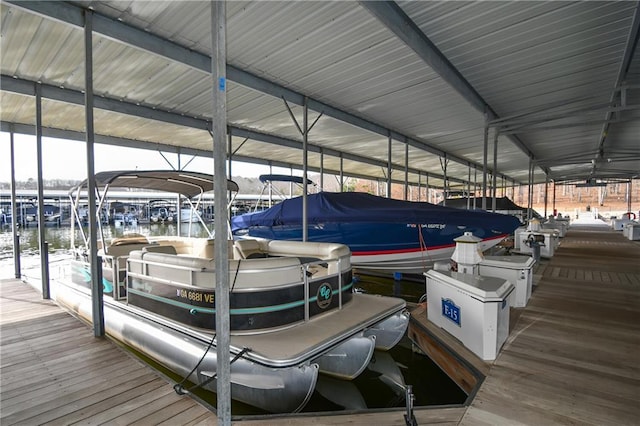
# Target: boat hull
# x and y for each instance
(386, 247)
(277, 390)
(347, 360)
(383, 234)
(278, 373)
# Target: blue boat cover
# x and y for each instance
(502, 203)
(345, 207)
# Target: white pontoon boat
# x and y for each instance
(293, 312)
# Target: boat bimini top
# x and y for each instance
(191, 185)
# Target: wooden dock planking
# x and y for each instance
(55, 372)
(433, 416)
(572, 356)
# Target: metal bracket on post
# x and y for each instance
(98, 301)
(409, 418)
(16, 248)
(46, 294)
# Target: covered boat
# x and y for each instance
(383, 234)
(293, 312)
(504, 205)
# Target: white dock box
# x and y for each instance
(518, 270)
(473, 309)
(558, 225)
(551, 242)
(618, 224)
(632, 231)
(517, 239)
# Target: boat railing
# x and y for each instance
(146, 276)
(271, 272)
(309, 270)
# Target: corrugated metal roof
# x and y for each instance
(548, 69)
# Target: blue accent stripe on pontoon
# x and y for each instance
(238, 311)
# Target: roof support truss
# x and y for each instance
(394, 18)
(138, 38)
(25, 87)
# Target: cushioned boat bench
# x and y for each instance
(190, 246)
(200, 272)
(256, 248)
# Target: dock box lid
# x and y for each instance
(508, 262)
(484, 289)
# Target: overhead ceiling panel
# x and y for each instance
(523, 57)
(553, 63)
(16, 108)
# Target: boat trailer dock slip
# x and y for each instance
(471, 308)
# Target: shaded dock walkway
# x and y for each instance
(54, 372)
(572, 357)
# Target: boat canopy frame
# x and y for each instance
(268, 181)
(191, 185)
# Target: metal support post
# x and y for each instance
(494, 183)
(305, 167)
(553, 201)
(475, 186)
(341, 173)
(443, 166)
(44, 264)
(546, 195)
(484, 164)
(321, 169)
(409, 417)
(406, 169)
(427, 188)
(93, 217)
(468, 187)
(219, 124)
(530, 193)
(14, 211)
(389, 156)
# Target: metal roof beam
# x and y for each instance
(394, 18)
(73, 135)
(629, 50)
(26, 87)
(291, 143)
(138, 38)
(29, 129)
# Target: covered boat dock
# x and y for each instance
(472, 97)
(571, 357)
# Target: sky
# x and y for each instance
(66, 159)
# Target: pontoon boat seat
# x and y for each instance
(188, 270)
(254, 248)
(247, 249)
(158, 248)
(190, 246)
(121, 252)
